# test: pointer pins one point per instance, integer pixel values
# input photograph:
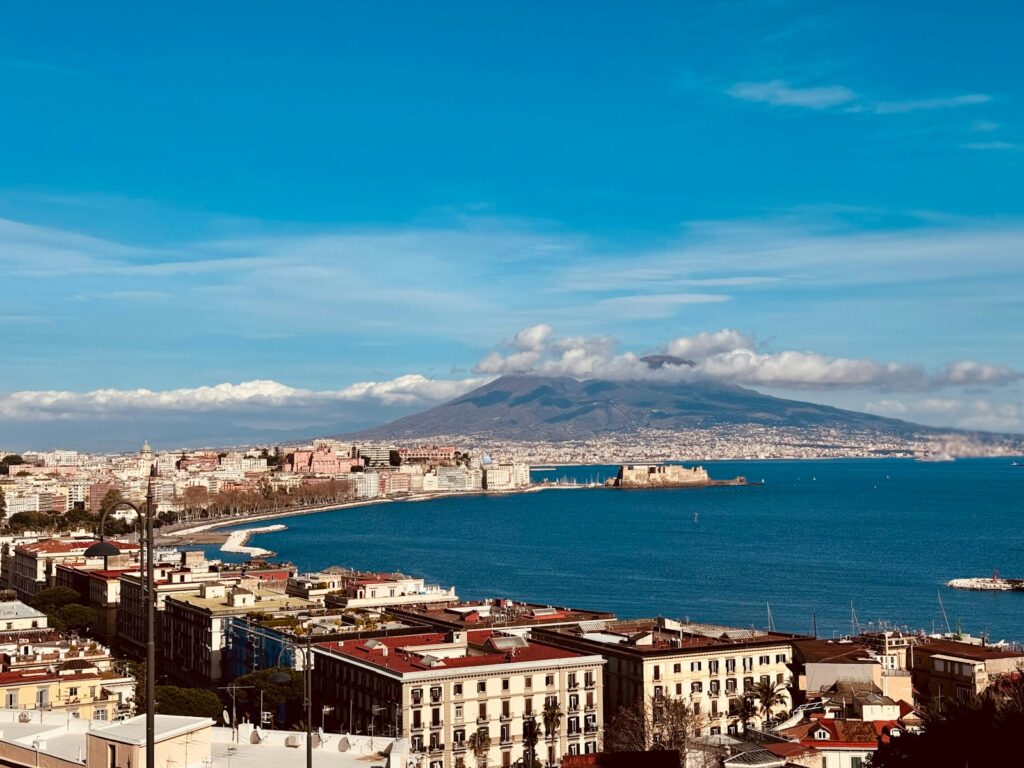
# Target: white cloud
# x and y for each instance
(988, 146)
(532, 337)
(977, 414)
(967, 372)
(916, 105)
(710, 343)
(731, 356)
(781, 93)
(411, 389)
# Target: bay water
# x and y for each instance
(824, 540)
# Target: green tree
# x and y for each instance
(770, 696)
(3, 505)
(77, 618)
(191, 702)
(52, 599)
(29, 521)
(8, 461)
(479, 744)
(552, 716)
(275, 695)
(745, 709)
(111, 498)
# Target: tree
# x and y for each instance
(29, 521)
(8, 461)
(274, 695)
(111, 498)
(984, 730)
(479, 744)
(769, 696)
(77, 618)
(551, 716)
(3, 505)
(52, 599)
(744, 709)
(663, 723)
(191, 702)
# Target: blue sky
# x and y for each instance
(214, 194)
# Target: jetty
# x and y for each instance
(988, 583)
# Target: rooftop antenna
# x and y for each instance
(943, 609)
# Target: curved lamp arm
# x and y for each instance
(117, 505)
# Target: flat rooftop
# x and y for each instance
(970, 651)
(665, 635)
(834, 652)
(498, 614)
(436, 650)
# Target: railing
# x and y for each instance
(437, 723)
(483, 720)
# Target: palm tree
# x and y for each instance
(745, 709)
(552, 716)
(479, 744)
(769, 695)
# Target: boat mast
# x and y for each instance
(943, 609)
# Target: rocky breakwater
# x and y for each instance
(665, 476)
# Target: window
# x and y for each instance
(506, 735)
(748, 684)
(458, 712)
(730, 685)
(417, 696)
(695, 666)
(765, 679)
(574, 749)
(730, 666)
(696, 687)
(572, 680)
(657, 672)
(549, 681)
(574, 702)
(527, 705)
(748, 663)
(780, 658)
(713, 667)
(99, 714)
(715, 688)
(11, 700)
(696, 708)
(677, 668)
(483, 711)
(504, 684)
(459, 736)
(856, 762)
(481, 686)
(435, 717)
(416, 721)
(505, 711)
(780, 679)
(457, 689)
(435, 693)
(528, 681)
(111, 756)
(764, 659)
(679, 689)
(73, 692)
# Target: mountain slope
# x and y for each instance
(559, 408)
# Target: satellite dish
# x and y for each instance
(226, 717)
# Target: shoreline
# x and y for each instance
(192, 530)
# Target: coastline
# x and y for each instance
(243, 519)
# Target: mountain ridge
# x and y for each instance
(532, 406)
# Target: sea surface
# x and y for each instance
(819, 540)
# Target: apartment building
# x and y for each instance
(81, 691)
(953, 670)
(386, 590)
(818, 665)
(195, 626)
(34, 563)
(708, 666)
(506, 616)
(440, 688)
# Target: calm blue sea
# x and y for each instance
(817, 537)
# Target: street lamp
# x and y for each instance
(106, 549)
(307, 688)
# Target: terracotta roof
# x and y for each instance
(59, 546)
(842, 733)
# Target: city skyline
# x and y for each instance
(298, 226)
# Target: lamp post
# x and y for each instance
(307, 689)
(106, 549)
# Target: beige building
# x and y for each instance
(819, 665)
(34, 564)
(196, 626)
(710, 667)
(438, 689)
(952, 670)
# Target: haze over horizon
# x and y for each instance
(299, 228)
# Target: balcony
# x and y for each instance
(437, 748)
(573, 685)
(435, 724)
(590, 728)
(506, 717)
(590, 708)
(573, 710)
(483, 720)
(588, 684)
(435, 699)
(459, 746)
